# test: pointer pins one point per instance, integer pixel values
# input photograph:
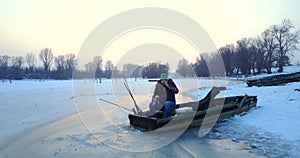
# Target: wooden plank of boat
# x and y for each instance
(274, 80)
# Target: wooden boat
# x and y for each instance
(274, 80)
(206, 111)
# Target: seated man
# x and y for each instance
(164, 96)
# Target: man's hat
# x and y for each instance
(164, 76)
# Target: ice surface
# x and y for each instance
(39, 108)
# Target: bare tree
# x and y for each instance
(17, 61)
(30, 60)
(227, 53)
(269, 45)
(201, 65)
(46, 56)
(154, 70)
(94, 68)
(287, 41)
(90, 68)
(215, 65)
(16, 70)
(4, 59)
(242, 58)
(132, 70)
(60, 63)
(98, 63)
(260, 54)
(109, 67)
(184, 68)
(253, 54)
(71, 64)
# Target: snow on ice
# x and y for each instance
(272, 129)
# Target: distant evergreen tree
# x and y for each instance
(201, 68)
(154, 70)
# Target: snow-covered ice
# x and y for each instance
(44, 110)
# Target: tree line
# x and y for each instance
(273, 48)
(13, 67)
(59, 67)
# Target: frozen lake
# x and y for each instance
(66, 119)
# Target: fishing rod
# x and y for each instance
(117, 105)
(131, 95)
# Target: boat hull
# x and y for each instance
(214, 110)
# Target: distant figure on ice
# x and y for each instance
(164, 96)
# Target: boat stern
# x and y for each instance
(143, 122)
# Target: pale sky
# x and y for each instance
(30, 25)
